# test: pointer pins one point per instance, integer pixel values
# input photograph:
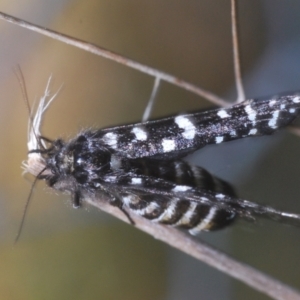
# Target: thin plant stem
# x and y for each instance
(117, 58)
(205, 253)
(236, 53)
(151, 102)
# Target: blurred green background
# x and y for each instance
(85, 254)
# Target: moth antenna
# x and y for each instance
(19, 74)
(34, 129)
(26, 206)
(35, 163)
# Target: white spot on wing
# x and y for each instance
(223, 114)
(273, 122)
(282, 106)
(188, 127)
(253, 131)
(219, 139)
(111, 139)
(272, 103)
(220, 196)
(251, 113)
(140, 133)
(292, 110)
(136, 180)
(110, 178)
(181, 188)
(168, 145)
(296, 99)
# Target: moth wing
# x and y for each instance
(175, 137)
(177, 205)
(191, 208)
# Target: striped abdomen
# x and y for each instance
(191, 215)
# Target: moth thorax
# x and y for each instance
(66, 163)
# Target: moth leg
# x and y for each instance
(42, 151)
(76, 199)
(115, 201)
(42, 138)
(126, 213)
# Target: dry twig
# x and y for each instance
(205, 253)
(117, 58)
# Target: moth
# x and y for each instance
(140, 169)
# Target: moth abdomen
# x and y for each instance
(191, 215)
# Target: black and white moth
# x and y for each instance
(139, 167)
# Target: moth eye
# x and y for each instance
(80, 144)
(81, 139)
